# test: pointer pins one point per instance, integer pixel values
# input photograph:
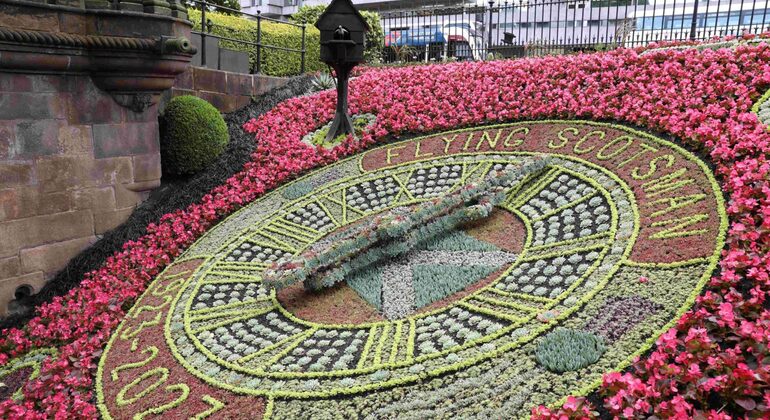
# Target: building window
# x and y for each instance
(618, 3)
(576, 4)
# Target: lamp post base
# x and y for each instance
(342, 124)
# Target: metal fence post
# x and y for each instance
(695, 20)
(259, 42)
(489, 29)
(302, 54)
(203, 33)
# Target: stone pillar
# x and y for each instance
(79, 142)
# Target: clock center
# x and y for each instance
(429, 277)
(409, 257)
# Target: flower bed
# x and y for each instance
(729, 41)
(713, 358)
(460, 312)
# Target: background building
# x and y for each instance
(559, 25)
(277, 9)
(282, 9)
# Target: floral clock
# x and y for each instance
(578, 270)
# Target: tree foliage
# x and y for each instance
(308, 14)
(230, 4)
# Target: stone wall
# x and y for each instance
(73, 165)
(225, 90)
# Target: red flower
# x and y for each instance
(716, 352)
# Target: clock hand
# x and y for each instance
(398, 231)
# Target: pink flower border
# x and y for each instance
(717, 351)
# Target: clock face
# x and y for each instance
(244, 329)
(591, 244)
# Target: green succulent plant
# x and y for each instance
(565, 350)
(322, 81)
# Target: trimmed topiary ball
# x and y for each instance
(192, 134)
(565, 350)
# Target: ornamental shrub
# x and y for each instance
(192, 134)
(564, 350)
(273, 62)
(375, 38)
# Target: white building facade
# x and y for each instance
(282, 9)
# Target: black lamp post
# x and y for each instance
(343, 35)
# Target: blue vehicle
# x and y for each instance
(457, 39)
(415, 37)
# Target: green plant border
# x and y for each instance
(761, 101)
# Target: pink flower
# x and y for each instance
(702, 98)
(727, 315)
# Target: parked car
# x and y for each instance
(432, 42)
(465, 38)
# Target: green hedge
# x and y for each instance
(274, 62)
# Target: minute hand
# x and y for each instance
(398, 231)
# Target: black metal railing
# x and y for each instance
(539, 27)
(207, 26)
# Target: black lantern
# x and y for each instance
(343, 38)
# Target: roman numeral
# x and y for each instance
(302, 234)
